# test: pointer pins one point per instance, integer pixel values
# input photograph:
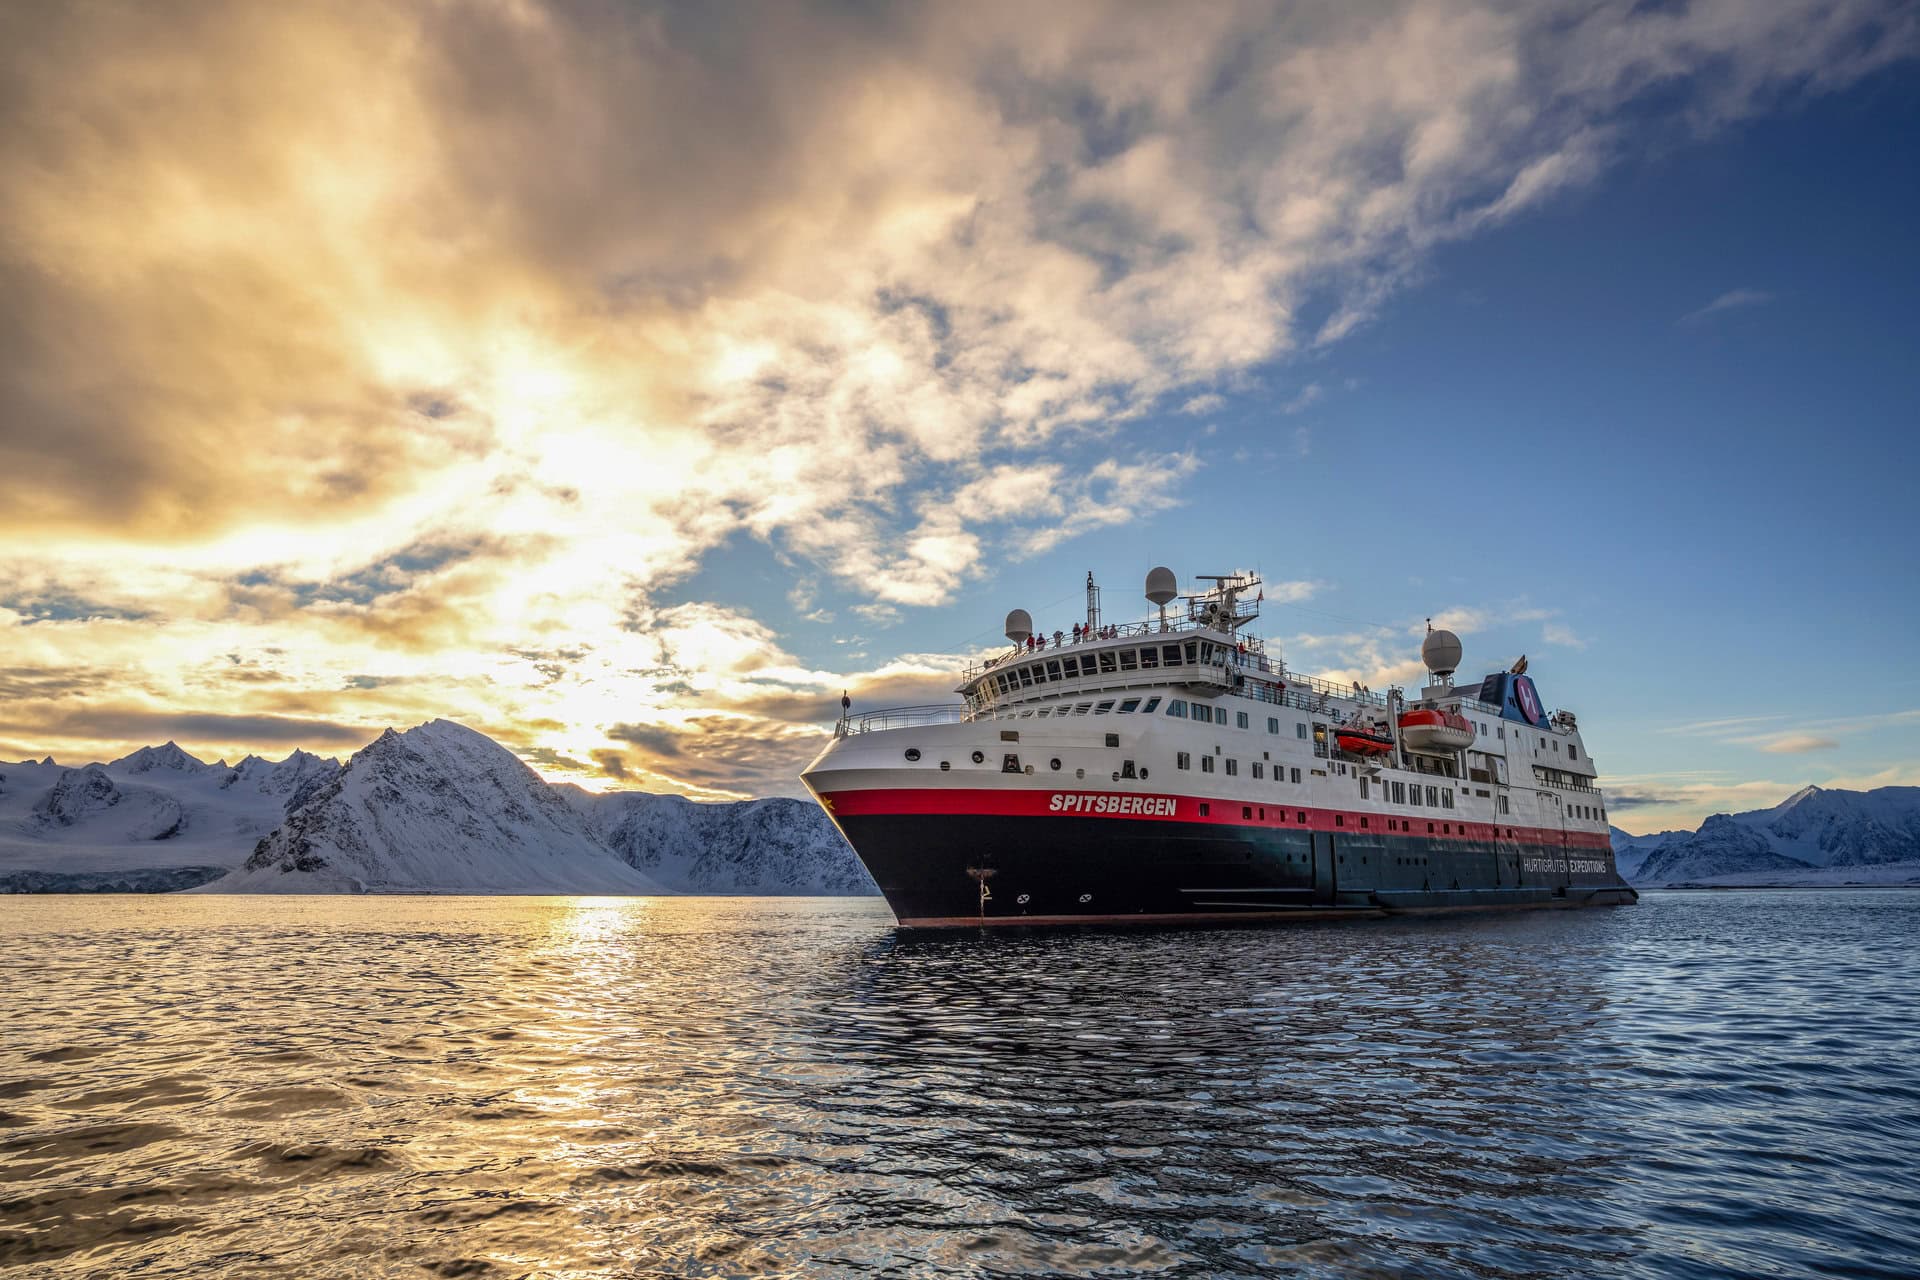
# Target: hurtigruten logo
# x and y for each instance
(1111, 805)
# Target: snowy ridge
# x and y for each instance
(773, 846)
(1815, 836)
(155, 818)
(438, 808)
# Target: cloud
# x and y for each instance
(1797, 744)
(1309, 395)
(1732, 300)
(1206, 403)
(418, 354)
(1561, 634)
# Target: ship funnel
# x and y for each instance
(1019, 626)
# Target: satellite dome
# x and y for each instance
(1441, 652)
(1162, 586)
(1019, 626)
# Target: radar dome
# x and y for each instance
(1019, 626)
(1161, 585)
(1441, 652)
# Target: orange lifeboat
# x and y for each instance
(1363, 740)
(1426, 729)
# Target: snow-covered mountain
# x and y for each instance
(438, 808)
(1629, 851)
(156, 819)
(1864, 835)
(755, 846)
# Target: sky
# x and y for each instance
(628, 380)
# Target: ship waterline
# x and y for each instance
(1179, 772)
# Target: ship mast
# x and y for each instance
(1093, 605)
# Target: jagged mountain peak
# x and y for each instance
(166, 756)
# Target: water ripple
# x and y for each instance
(1703, 1085)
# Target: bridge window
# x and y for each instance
(1193, 651)
(1127, 662)
(1177, 709)
(1104, 707)
(1129, 706)
(1083, 708)
(1053, 670)
(1106, 663)
(1149, 657)
(1170, 655)
(1151, 704)
(1202, 713)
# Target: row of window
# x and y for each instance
(1106, 662)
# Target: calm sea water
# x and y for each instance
(1702, 1085)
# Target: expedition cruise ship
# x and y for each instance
(1176, 770)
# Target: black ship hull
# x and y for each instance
(950, 869)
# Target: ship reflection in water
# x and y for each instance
(1703, 1085)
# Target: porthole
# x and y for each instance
(1080, 773)
(913, 753)
(1055, 762)
(1143, 773)
(1116, 775)
(979, 757)
(945, 765)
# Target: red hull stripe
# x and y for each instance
(1162, 807)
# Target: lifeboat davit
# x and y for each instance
(1429, 730)
(1363, 740)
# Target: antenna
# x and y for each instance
(1093, 604)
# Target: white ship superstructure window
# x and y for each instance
(1129, 706)
(1413, 794)
(1104, 707)
(1240, 719)
(1399, 793)
(1503, 805)
(1296, 777)
(1433, 797)
(1259, 770)
(1233, 768)
(1177, 709)
(1149, 657)
(1151, 704)
(1083, 708)
(1206, 764)
(1182, 760)
(1363, 788)
(1300, 729)
(1273, 724)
